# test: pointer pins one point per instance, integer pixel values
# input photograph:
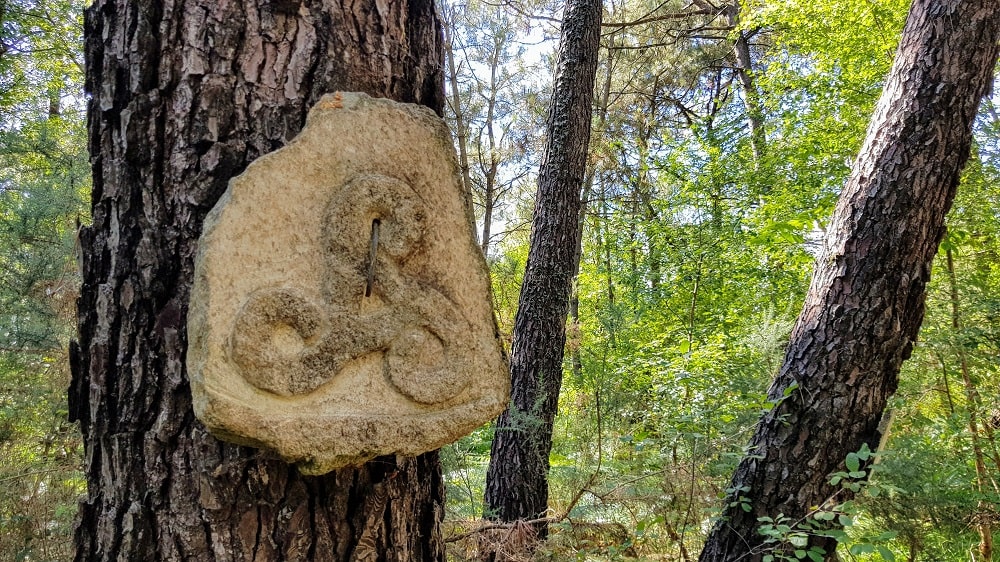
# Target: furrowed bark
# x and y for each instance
(517, 479)
(184, 96)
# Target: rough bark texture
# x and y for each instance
(184, 96)
(517, 480)
(866, 302)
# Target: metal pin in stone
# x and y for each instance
(372, 254)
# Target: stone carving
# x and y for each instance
(341, 307)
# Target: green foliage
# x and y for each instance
(39, 459)
(464, 465)
(786, 539)
(44, 179)
(695, 259)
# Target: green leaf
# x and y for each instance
(864, 453)
(790, 389)
(835, 534)
(798, 540)
(862, 549)
(886, 536)
(853, 462)
(886, 554)
(824, 515)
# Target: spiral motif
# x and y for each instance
(286, 344)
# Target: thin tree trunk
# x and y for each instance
(643, 188)
(982, 521)
(972, 391)
(604, 238)
(184, 96)
(751, 96)
(866, 301)
(947, 387)
(461, 127)
(492, 166)
(488, 206)
(517, 480)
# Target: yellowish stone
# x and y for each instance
(298, 342)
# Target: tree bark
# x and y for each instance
(517, 479)
(866, 301)
(184, 96)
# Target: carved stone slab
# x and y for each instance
(341, 308)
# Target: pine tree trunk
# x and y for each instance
(517, 479)
(866, 302)
(184, 96)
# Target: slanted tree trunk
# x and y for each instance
(184, 96)
(517, 479)
(866, 301)
(490, 164)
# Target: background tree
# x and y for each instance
(493, 83)
(517, 486)
(184, 96)
(866, 301)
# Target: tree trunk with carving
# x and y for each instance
(184, 96)
(517, 479)
(866, 301)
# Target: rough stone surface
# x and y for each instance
(298, 343)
